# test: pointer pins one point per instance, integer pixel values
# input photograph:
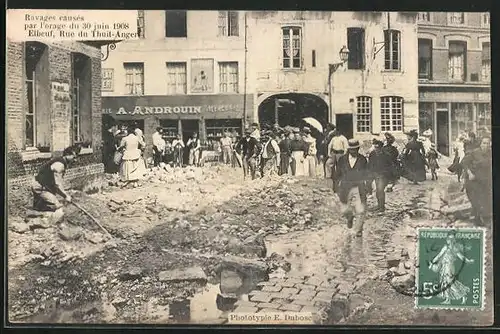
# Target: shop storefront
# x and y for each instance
(208, 115)
(450, 113)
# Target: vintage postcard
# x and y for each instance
(249, 167)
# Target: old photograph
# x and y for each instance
(249, 167)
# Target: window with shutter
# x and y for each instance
(356, 46)
(175, 23)
(228, 23)
(425, 59)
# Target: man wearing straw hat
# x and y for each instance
(353, 178)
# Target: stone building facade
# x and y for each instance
(454, 74)
(374, 91)
(53, 101)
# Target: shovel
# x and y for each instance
(92, 217)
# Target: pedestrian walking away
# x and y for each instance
(132, 168)
(380, 166)
(393, 153)
(432, 161)
(49, 182)
(352, 172)
(336, 148)
(414, 159)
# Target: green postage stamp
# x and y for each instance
(450, 272)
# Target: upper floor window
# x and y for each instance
(456, 18)
(363, 114)
(424, 16)
(486, 62)
(228, 23)
(292, 47)
(228, 77)
(425, 59)
(392, 45)
(140, 23)
(176, 78)
(391, 113)
(356, 46)
(175, 23)
(457, 60)
(134, 78)
(485, 20)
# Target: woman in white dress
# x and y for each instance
(132, 167)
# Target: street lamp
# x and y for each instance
(332, 68)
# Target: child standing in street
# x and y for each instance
(432, 160)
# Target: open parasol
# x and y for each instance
(314, 123)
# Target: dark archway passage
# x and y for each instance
(293, 107)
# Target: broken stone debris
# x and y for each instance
(193, 274)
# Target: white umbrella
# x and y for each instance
(313, 122)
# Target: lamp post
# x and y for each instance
(332, 68)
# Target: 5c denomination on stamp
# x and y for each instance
(450, 273)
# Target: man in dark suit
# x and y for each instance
(249, 148)
(285, 153)
(380, 166)
(353, 180)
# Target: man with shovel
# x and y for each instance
(49, 182)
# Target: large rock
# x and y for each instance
(68, 233)
(19, 227)
(250, 269)
(404, 282)
(253, 246)
(230, 282)
(193, 274)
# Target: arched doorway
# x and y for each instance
(290, 109)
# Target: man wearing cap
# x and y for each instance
(352, 175)
(336, 148)
(299, 151)
(380, 166)
(285, 153)
(49, 182)
(310, 161)
(270, 154)
(249, 148)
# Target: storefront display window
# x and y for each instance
(215, 129)
(426, 116)
(483, 116)
(461, 118)
(170, 128)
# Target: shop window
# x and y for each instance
(170, 128)
(81, 121)
(228, 23)
(356, 46)
(424, 17)
(425, 59)
(292, 47)
(363, 113)
(486, 62)
(483, 117)
(391, 113)
(37, 130)
(215, 129)
(134, 78)
(456, 18)
(392, 46)
(176, 78)
(485, 20)
(228, 77)
(425, 116)
(175, 23)
(140, 23)
(461, 119)
(457, 60)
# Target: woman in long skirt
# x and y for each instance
(132, 167)
(414, 159)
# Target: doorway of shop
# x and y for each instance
(442, 129)
(344, 124)
(188, 128)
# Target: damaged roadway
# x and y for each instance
(200, 231)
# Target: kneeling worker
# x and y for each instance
(49, 182)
